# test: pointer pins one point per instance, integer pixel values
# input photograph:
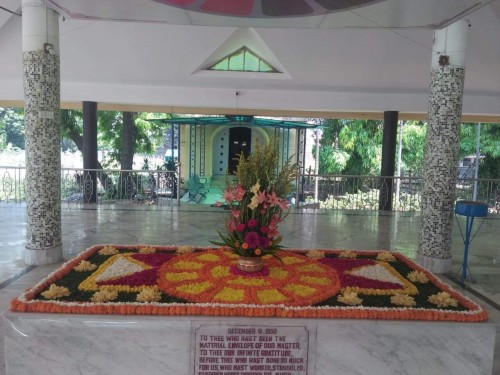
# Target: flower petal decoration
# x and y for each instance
(55, 292)
(206, 282)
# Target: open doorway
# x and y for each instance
(240, 139)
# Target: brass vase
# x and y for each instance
(250, 264)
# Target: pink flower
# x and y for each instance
(264, 230)
(283, 204)
(252, 239)
(273, 199)
(240, 227)
(229, 195)
(218, 204)
(262, 199)
(232, 226)
(235, 213)
(274, 222)
(252, 223)
(239, 193)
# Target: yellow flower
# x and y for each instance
(147, 250)
(184, 250)
(386, 256)
(442, 299)
(254, 202)
(148, 295)
(256, 188)
(349, 298)
(104, 295)
(403, 300)
(85, 266)
(349, 254)
(108, 250)
(315, 254)
(55, 292)
(418, 277)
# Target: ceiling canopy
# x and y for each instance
(355, 62)
(322, 14)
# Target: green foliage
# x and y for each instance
(331, 160)
(413, 146)
(12, 127)
(350, 147)
(354, 147)
(490, 147)
(148, 136)
(3, 136)
(362, 139)
(262, 166)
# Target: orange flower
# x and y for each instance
(244, 245)
(258, 252)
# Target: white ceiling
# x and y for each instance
(327, 69)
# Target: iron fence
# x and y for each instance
(163, 188)
(97, 186)
(369, 192)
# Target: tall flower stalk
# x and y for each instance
(258, 202)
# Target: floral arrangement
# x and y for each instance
(258, 201)
(203, 281)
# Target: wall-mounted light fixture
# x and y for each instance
(49, 48)
(444, 60)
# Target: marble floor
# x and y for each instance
(196, 225)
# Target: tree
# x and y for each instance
(362, 140)
(490, 147)
(413, 146)
(128, 133)
(12, 127)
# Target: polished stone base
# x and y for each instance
(99, 344)
(43, 256)
(435, 265)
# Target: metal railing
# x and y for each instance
(99, 186)
(363, 192)
(162, 188)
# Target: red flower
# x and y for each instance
(240, 227)
(252, 239)
(264, 242)
(252, 223)
(264, 230)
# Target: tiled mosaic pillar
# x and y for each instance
(42, 134)
(441, 151)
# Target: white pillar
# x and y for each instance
(442, 146)
(42, 133)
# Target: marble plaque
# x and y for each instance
(222, 349)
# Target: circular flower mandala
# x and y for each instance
(207, 278)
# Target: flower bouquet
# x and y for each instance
(258, 201)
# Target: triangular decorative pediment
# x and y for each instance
(243, 60)
(243, 55)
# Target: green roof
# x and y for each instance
(236, 120)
